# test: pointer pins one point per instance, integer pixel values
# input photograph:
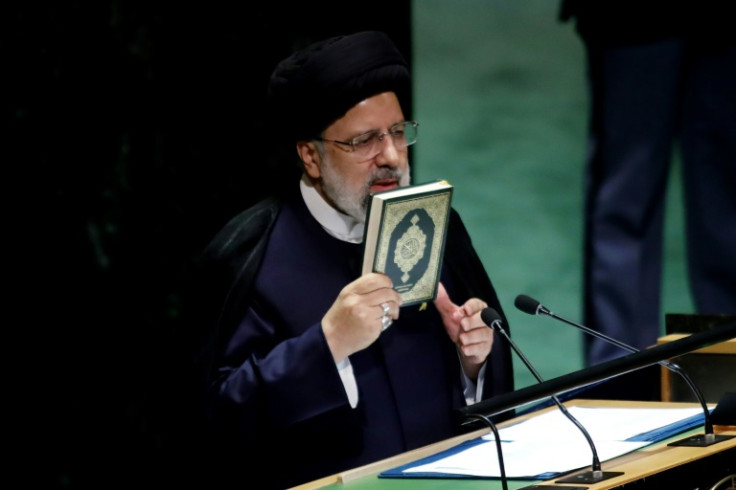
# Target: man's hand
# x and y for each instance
(353, 322)
(473, 338)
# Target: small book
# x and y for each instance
(404, 237)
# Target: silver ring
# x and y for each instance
(386, 308)
(386, 322)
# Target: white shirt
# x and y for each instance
(349, 229)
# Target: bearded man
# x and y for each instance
(303, 379)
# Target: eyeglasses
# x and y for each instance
(368, 145)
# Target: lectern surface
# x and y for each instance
(658, 463)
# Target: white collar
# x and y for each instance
(337, 224)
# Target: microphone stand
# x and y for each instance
(703, 440)
(605, 370)
(587, 477)
(489, 422)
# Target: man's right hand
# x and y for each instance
(353, 322)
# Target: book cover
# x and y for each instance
(404, 237)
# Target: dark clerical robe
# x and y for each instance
(278, 407)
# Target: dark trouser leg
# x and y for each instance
(634, 95)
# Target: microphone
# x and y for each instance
(504, 402)
(534, 307)
(491, 318)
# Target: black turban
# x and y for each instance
(315, 86)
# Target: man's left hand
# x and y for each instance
(473, 338)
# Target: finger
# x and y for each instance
(477, 351)
(369, 283)
(387, 316)
(385, 308)
(474, 320)
(473, 306)
(477, 342)
(476, 335)
(375, 281)
(390, 307)
(443, 301)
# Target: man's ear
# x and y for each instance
(310, 157)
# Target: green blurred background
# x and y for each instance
(501, 98)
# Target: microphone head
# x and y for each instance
(527, 304)
(490, 316)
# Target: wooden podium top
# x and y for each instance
(640, 464)
(727, 347)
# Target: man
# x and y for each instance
(303, 381)
(661, 77)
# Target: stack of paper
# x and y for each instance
(549, 444)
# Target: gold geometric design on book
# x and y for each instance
(410, 248)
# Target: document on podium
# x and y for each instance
(549, 444)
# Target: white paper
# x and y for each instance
(551, 443)
(526, 458)
(611, 424)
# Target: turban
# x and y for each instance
(317, 85)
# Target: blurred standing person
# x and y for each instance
(662, 76)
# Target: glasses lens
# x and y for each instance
(404, 134)
(365, 142)
(369, 144)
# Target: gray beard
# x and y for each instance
(342, 198)
(353, 204)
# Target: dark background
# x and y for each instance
(135, 131)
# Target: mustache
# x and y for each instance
(381, 174)
(384, 174)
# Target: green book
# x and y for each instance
(404, 237)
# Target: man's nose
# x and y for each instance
(389, 154)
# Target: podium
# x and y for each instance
(712, 368)
(654, 466)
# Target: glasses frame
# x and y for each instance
(391, 131)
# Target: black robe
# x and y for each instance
(278, 409)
